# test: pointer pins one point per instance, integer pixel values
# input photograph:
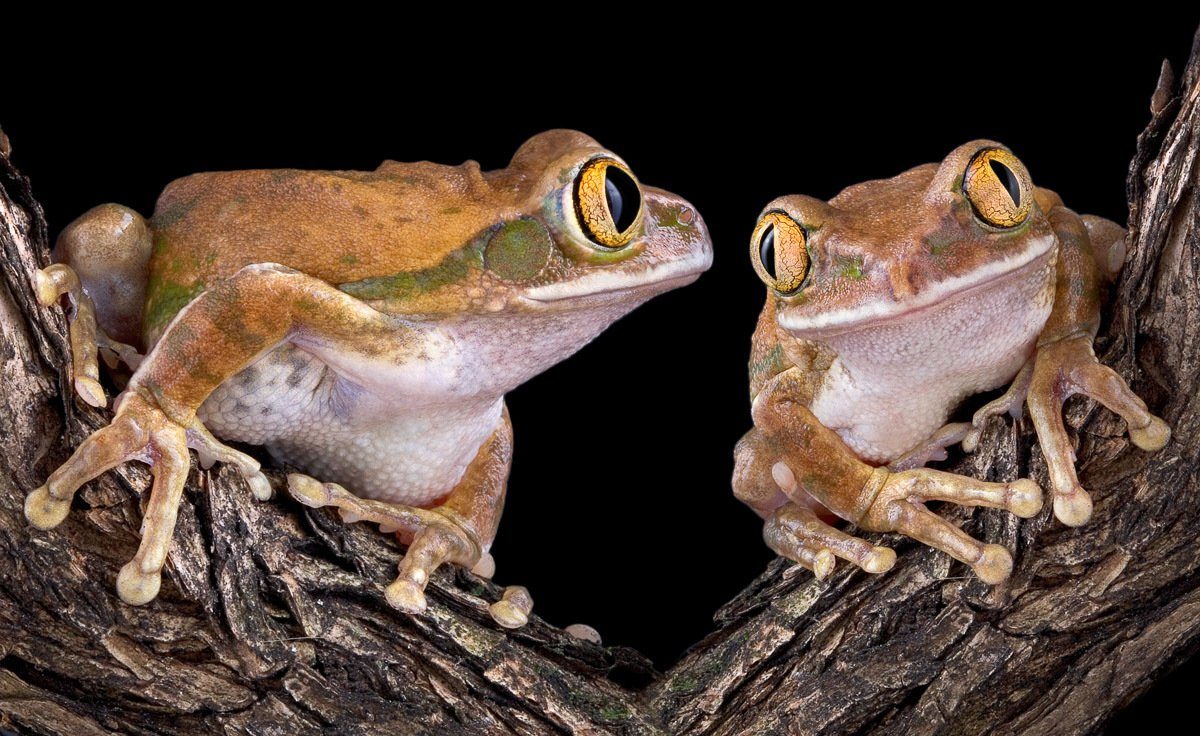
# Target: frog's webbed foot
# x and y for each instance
(794, 531)
(933, 448)
(1011, 402)
(899, 506)
(86, 338)
(434, 537)
(1066, 367)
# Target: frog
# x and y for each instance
(887, 307)
(363, 327)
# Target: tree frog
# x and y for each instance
(889, 305)
(363, 326)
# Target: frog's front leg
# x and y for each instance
(220, 332)
(876, 499)
(458, 531)
(1065, 364)
(792, 525)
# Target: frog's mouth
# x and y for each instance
(608, 283)
(943, 293)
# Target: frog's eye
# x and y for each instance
(608, 202)
(998, 188)
(779, 250)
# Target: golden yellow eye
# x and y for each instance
(608, 201)
(779, 249)
(998, 188)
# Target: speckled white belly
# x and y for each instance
(377, 445)
(896, 382)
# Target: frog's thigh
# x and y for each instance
(460, 530)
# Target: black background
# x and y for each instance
(619, 512)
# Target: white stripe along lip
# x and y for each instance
(607, 282)
(849, 319)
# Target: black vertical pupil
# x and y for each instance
(766, 250)
(623, 197)
(1008, 179)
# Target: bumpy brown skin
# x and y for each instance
(793, 471)
(372, 272)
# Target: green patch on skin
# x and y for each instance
(452, 210)
(850, 267)
(771, 364)
(938, 243)
(349, 259)
(453, 269)
(165, 298)
(169, 215)
(519, 250)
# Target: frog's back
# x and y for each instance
(339, 226)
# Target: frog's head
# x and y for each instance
(900, 250)
(589, 234)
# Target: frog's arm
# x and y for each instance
(791, 453)
(1065, 363)
(220, 332)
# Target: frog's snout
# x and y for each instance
(675, 231)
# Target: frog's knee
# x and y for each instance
(109, 247)
(1108, 244)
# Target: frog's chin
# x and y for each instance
(817, 326)
(618, 285)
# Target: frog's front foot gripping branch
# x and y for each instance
(791, 464)
(1065, 367)
(434, 537)
(895, 502)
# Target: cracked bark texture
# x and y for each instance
(272, 620)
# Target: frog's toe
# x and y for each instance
(44, 511)
(485, 567)
(1154, 436)
(90, 390)
(309, 491)
(136, 586)
(1074, 508)
(512, 610)
(1024, 498)
(794, 531)
(994, 565)
(406, 595)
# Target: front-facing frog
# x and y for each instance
(363, 326)
(889, 305)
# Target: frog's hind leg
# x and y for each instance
(102, 262)
(86, 338)
(458, 531)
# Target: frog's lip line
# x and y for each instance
(608, 282)
(845, 320)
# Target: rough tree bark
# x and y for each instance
(272, 619)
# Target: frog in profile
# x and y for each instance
(363, 327)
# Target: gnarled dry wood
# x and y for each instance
(272, 619)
